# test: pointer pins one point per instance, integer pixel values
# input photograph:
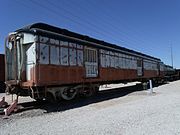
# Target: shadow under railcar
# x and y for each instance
(80, 102)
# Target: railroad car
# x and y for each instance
(2, 73)
(178, 73)
(47, 62)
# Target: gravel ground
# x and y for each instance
(111, 112)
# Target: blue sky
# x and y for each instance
(148, 26)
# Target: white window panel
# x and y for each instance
(64, 56)
(111, 53)
(120, 55)
(106, 52)
(79, 46)
(112, 58)
(102, 51)
(103, 60)
(54, 41)
(31, 60)
(116, 54)
(64, 43)
(124, 63)
(116, 62)
(134, 64)
(54, 55)
(120, 62)
(73, 45)
(80, 57)
(130, 64)
(29, 38)
(72, 56)
(110, 62)
(107, 61)
(127, 63)
(44, 54)
(44, 39)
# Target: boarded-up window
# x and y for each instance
(54, 41)
(79, 46)
(64, 56)
(44, 40)
(120, 62)
(80, 57)
(63, 43)
(107, 60)
(103, 60)
(44, 54)
(54, 55)
(73, 45)
(112, 59)
(72, 56)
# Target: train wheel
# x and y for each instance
(68, 94)
(89, 91)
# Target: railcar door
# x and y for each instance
(139, 67)
(91, 62)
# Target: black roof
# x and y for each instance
(66, 32)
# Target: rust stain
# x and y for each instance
(47, 75)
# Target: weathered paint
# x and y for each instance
(31, 60)
(47, 75)
(150, 73)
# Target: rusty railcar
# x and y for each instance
(44, 61)
(2, 73)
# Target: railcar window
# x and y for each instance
(150, 65)
(72, 56)
(63, 43)
(54, 41)
(103, 58)
(54, 55)
(64, 56)
(44, 40)
(116, 61)
(73, 45)
(80, 57)
(91, 63)
(139, 63)
(79, 46)
(120, 62)
(44, 54)
(111, 59)
(107, 60)
(125, 61)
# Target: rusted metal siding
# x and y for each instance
(110, 74)
(47, 75)
(2, 68)
(150, 74)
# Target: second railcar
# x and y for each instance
(2, 73)
(44, 61)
